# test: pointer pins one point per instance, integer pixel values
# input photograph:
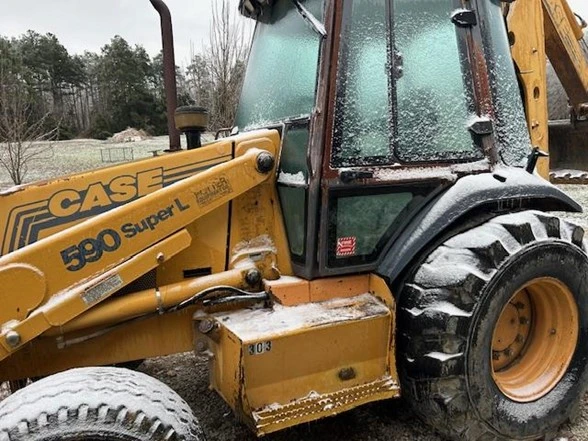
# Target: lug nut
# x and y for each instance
(347, 374)
(524, 321)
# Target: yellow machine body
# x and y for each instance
(294, 364)
(82, 310)
(148, 241)
(104, 267)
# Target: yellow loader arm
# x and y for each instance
(540, 29)
(563, 35)
(51, 282)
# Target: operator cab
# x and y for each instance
(382, 104)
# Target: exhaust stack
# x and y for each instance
(169, 72)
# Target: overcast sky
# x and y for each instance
(581, 7)
(90, 24)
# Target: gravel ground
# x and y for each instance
(580, 194)
(384, 421)
(188, 375)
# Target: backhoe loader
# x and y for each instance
(375, 226)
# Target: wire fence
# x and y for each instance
(117, 154)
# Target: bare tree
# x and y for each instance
(199, 83)
(229, 45)
(24, 138)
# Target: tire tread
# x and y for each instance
(128, 392)
(450, 281)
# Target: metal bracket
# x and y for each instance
(534, 156)
(482, 127)
(464, 18)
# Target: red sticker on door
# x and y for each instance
(346, 246)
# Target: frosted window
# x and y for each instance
(293, 193)
(363, 118)
(368, 218)
(401, 93)
(294, 210)
(512, 136)
(433, 104)
(283, 64)
(293, 160)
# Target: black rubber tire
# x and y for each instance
(131, 365)
(97, 404)
(447, 313)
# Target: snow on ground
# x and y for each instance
(67, 157)
(580, 194)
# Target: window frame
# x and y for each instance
(463, 38)
(298, 259)
(264, 124)
(420, 194)
(438, 175)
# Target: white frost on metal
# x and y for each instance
(311, 19)
(264, 241)
(312, 395)
(292, 179)
(471, 167)
(329, 402)
(285, 280)
(442, 356)
(413, 173)
(272, 407)
(397, 172)
(253, 325)
(444, 307)
(475, 118)
(258, 246)
(12, 190)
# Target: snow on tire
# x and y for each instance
(492, 330)
(105, 403)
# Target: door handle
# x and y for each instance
(349, 176)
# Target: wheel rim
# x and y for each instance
(534, 340)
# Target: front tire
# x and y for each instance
(97, 404)
(493, 329)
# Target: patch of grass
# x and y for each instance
(70, 157)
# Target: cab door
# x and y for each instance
(399, 125)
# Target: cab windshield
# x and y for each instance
(281, 78)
